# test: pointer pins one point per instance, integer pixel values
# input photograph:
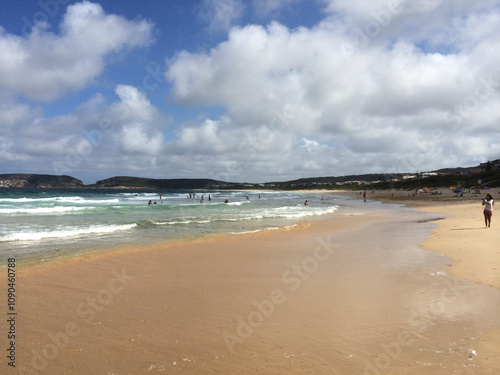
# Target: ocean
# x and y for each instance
(39, 224)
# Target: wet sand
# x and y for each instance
(475, 251)
(350, 295)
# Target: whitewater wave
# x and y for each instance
(66, 232)
(74, 200)
(256, 230)
(284, 213)
(174, 222)
(235, 203)
(41, 210)
(276, 213)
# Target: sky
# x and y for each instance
(247, 91)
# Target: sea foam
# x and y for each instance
(65, 232)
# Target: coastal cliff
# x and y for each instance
(123, 182)
(24, 180)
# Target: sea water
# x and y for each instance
(39, 224)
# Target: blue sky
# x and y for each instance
(247, 90)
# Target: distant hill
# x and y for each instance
(443, 179)
(335, 179)
(477, 177)
(24, 180)
(167, 184)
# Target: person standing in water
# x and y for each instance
(488, 209)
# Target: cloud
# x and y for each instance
(139, 122)
(220, 15)
(99, 137)
(137, 139)
(396, 103)
(231, 153)
(257, 74)
(44, 66)
(265, 8)
(357, 93)
(12, 113)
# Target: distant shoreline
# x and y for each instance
(470, 178)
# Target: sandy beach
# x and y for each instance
(476, 254)
(399, 291)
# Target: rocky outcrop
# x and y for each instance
(123, 182)
(23, 180)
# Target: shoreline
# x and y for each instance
(474, 251)
(475, 257)
(463, 215)
(121, 220)
(327, 296)
(433, 206)
(30, 264)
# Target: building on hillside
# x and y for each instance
(409, 177)
(495, 165)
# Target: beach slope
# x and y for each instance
(347, 295)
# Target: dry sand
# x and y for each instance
(352, 295)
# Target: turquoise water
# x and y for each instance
(41, 224)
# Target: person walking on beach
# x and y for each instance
(488, 209)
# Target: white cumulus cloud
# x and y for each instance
(44, 65)
(398, 101)
(220, 15)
